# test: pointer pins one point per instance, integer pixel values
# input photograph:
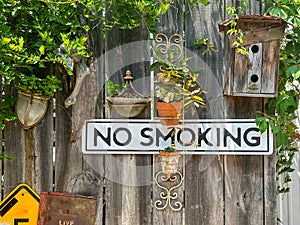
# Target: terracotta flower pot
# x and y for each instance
(169, 161)
(169, 113)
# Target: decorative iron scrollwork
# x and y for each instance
(169, 47)
(168, 195)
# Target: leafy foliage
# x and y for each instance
(2, 156)
(234, 31)
(113, 89)
(32, 84)
(169, 149)
(203, 43)
(37, 34)
(286, 104)
(177, 81)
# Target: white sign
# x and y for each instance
(233, 137)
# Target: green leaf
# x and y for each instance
(291, 70)
(154, 66)
(262, 124)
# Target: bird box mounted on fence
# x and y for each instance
(255, 74)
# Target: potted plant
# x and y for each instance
(176, 87)
(127, 102)
(169, 159)
(33, 96)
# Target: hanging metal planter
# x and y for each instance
(31, 109)
(129, 103)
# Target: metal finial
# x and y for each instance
(128, 76)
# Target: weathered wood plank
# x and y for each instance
(269, 82)
(38, 145)
(244, 190)
(244, 175)
(204, 203)
(14, 170)
(199, 24)
(63, 120)
(127, 189)
(204, 174)
(170, 23)
(270, 196)
(128, 177)
(168, 216)
(76, 173)
(32, 152)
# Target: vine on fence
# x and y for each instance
(281, 112)
(283, 123)
(38, 34)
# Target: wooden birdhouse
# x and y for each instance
(256, 74)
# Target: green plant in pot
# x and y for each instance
(176, 88)
(169, 159)
(127, 102)
(33, 96)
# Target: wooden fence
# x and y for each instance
(231, 190)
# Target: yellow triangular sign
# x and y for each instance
(20, 207)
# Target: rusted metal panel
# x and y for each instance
(66, 209)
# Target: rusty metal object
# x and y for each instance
(256, 28)
(66, 209)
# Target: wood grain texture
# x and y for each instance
(14, 170)
(38, 148)
(228, 190)
(204, 195)
(170, 23)
(168, 216)
(204, 198)
(270, 67)
(128, 177)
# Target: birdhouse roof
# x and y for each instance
(254, 22)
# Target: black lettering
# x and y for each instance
(218, 137)
(17, 221)
(159, 135)
(236, 140)
(202, 137)
(129, 136)
(179, 140)
(255, 139)
(98, 134)
(147, 136)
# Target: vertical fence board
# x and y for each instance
(127, 196)
(229, 190)
(63, 120)
(32, 152)
(204, 174)
(204, 190)
(244, 176)
(168, 216)
(39, 153)
(170, 23)
(14, 170)
(270, 196)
